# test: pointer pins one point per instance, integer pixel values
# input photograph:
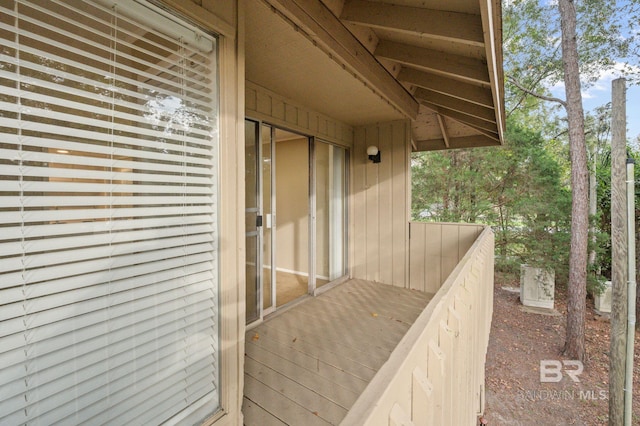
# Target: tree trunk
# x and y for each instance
(593, 203)
(577, 287)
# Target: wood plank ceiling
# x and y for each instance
(438, 62)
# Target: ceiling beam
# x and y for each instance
(447, 86)
(449, 65)
(455, 104)
(450, 26)
(443, 130)
(456, 143)
(327, 30)
(478, 124)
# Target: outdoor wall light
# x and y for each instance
(374, 153)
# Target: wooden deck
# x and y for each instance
(309, 364)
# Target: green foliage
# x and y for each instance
(517, 189)
(603, 219)
(608, 41)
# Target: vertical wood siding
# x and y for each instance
(435, 375)
(380, 208)
(435, 249)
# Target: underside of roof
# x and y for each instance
(438, 63)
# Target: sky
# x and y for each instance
(600, 93)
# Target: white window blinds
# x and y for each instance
(108, 235)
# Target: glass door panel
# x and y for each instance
(268, 226)
(252, 212)
(291, 216)
(330, 212)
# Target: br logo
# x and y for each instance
(551, 370)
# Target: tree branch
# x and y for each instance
(537, 95)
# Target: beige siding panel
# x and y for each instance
(433, 258)
(359, 211)
(264, 104)
(251, 99)
(303, 119)
(449, 249)
(322, 126)
(400, 203)
(288, 114)
(435, 250)
(422, 407)
(385, 201)
(466, 238)
(380, 204)
(277, 109)
(399, 417)
(372, 212)
(417, 258)
(291, 114)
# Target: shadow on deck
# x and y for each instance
(309, 364)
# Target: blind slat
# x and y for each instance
(149, 121)
(51, 352)
(156, 153)
(105, 175)
(165, 216)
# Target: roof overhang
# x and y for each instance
(361, 61)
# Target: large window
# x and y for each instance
(108, 235)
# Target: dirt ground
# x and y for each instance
(520, 339)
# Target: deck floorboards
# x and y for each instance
(309, 364)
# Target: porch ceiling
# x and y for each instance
(361, 61)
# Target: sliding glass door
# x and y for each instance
(295, 215)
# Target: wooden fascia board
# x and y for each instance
(447, 86)
(478, 124)
(326, 29)
(474, 141)
(455, 104)
(447, 64)
(450, 26)
(491, 11)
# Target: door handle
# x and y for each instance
(259, 220)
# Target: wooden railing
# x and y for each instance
(434, 251)
(435, 375)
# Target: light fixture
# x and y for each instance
(374, 153)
